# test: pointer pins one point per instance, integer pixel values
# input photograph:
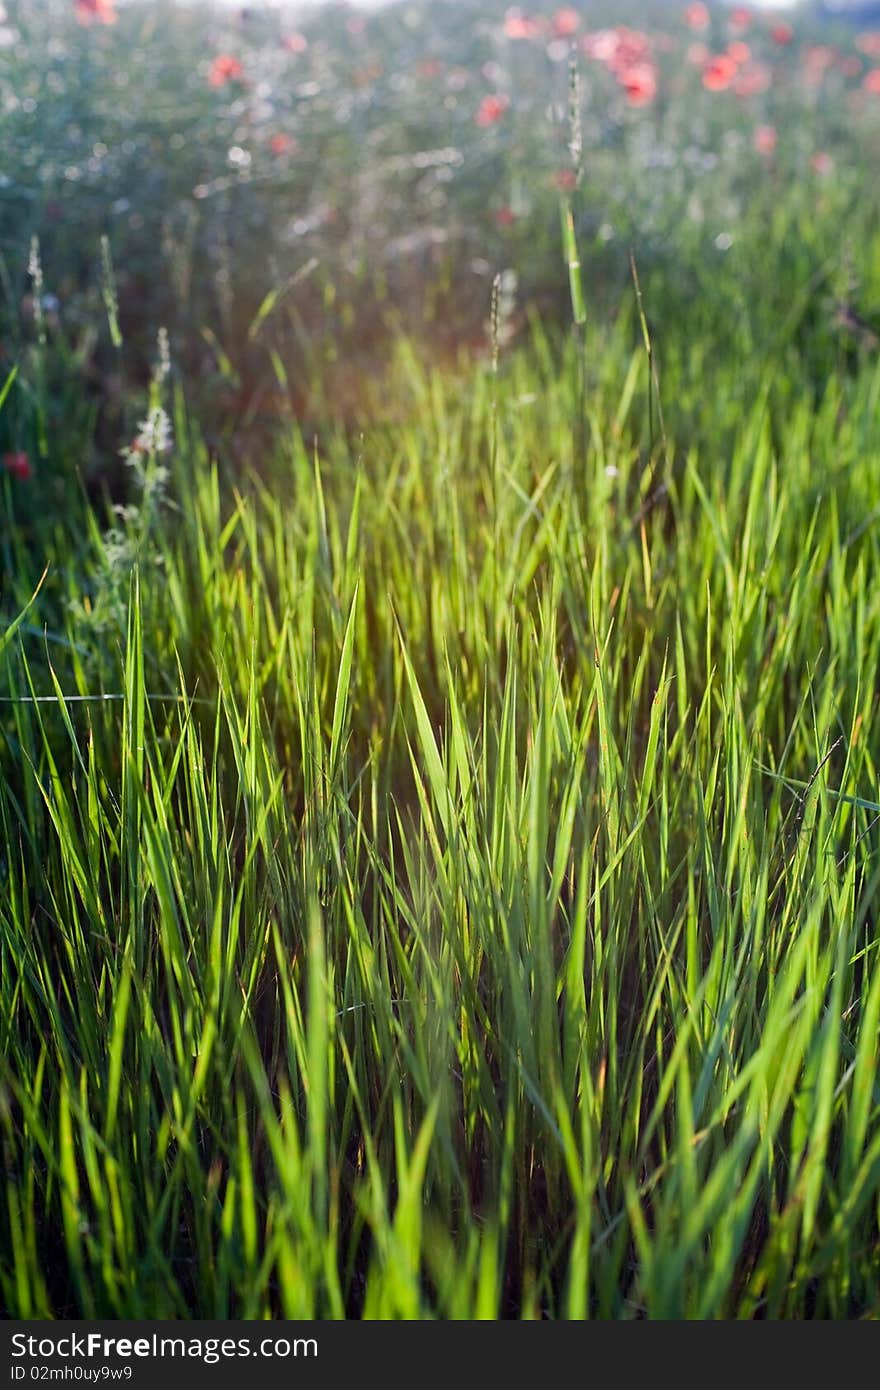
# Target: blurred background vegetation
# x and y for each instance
(287, 194)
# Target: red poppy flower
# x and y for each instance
(522, 26)
(95, 11)
(18, 465)
(739, 52)
(871, 81)
(566, 22)
(817, 59)
(752, 79)
(640, 84)
(491, 109)
(718, 73)
(224, 69)
(765, 139)
(696, 16)
(601, 45)
(618, 49)
(295, 43)
(505, 217)
(869, 44)
(740, 18)
(282, 143)
(821, 162)
(782, 34)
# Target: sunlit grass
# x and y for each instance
(427, 931)
(438, 841)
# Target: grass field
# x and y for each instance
(439, 786)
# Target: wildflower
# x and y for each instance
(501, 327)
(696, 16)
(224, 69)
(162, 369)
(782, 34)
(35, 267)
(628, 54)
(718, 73)
(95, 11)
(740, 18)
(154, 434)
(565, 22)
(639, 83)
(18, 465)
(505, 217)
(295, 43)
(752, 79)
(601, 45)
(520, 26)
(817, 59)
(618, 49)
(282, 143)
(765, 139)
(871, 81)
(821, 162)
(698, 54)
(739, 52)
(491, 109)
(869, 44)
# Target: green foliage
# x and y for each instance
(437, 858)
(394, 928)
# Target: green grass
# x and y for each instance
(438, 844)
(395, 927)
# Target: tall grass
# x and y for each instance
(428, 895)
(437, 850)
